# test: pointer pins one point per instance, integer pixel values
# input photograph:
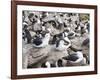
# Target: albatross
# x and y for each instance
(75, 59)
(42, 40)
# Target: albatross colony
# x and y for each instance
(54, 39)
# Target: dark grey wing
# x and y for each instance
(37, 41)
(85, 42)
(72, 57)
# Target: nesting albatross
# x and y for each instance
(75, 59)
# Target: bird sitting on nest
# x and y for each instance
(41, 39)
(61, 41)
(75, 59)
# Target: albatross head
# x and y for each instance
(79, 54)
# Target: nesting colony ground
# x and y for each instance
(75, 24)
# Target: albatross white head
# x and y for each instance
(79, 54)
